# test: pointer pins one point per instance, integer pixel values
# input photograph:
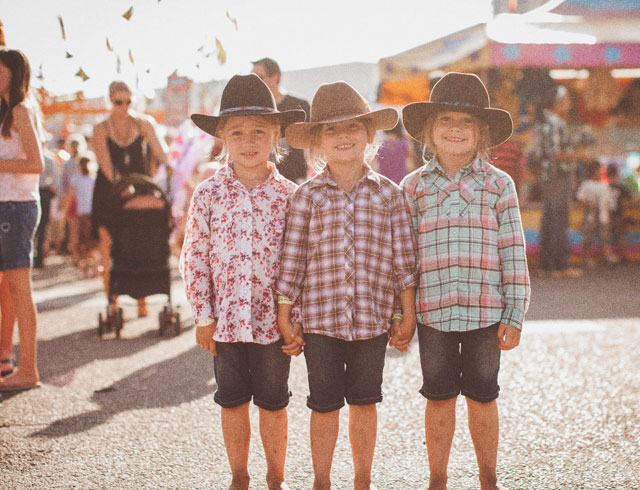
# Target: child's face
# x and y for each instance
(455, 134)
(344, 142)
(249, 140)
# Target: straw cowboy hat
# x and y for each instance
(336, 102)
(458, 92)
(246, 95)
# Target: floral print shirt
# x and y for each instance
(231, 255)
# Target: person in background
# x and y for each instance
(76, 145)
(293, 165)
(122, 144)
(49, 184)
(21, 164)
(395, 157)
(556, 156)
(81, 191)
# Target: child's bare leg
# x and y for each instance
(105, 252)
(483, 426)
(273, 432)
(440, 424)
(236, 429)
(363, 424)
(324, 434)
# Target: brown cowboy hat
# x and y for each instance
(336, 102)
(458, 92)
(247, 95)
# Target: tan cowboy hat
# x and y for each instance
(458, 92)
(336, 102)
(246, 95)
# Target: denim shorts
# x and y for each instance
(18, 223)
(339, 369)
(246, 370)
(459, 362)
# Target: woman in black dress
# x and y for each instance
(122, 144)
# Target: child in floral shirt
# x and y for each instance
(229, 262)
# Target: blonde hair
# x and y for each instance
(316, 158)
(223, 156)
(118, 86)
(429, 149)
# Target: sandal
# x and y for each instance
(12, 366)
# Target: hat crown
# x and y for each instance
(244, 92)
(337, 101)
(460, 89)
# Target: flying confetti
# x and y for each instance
(40, 75)
(118, 64)
(127, 15)
(222, 54)
(64, 36)
(109, 45)
(68, 55)
(131, 58)
(233, 21)
(82, 75)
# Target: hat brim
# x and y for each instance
(209, 124)
(299, 134)
(415, 115)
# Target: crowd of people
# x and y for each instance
(302, 234)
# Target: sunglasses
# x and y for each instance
(121, 102)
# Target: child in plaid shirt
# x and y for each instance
(348, 256)
(473, 288)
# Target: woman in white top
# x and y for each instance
(20, 165)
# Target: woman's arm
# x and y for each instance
(99, 146)
(33, 163)
(158, 148)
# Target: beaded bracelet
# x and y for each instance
(283, 300)
(396, 316)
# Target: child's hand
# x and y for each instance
(402, 332)
(508, 336)
(204, 337)
(292, 336)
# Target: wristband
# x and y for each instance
(396, 316)
(283, 300)
(206, 322)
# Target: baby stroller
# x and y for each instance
(139, 251)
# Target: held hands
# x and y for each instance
(508, 336)
(292, 336)
(402, 332)
(204, 337)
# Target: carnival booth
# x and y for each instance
(590, 46)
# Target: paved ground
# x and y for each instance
(137, 413)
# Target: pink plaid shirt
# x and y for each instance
(231, 255)
(347, 255)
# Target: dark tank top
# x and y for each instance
(128, 159)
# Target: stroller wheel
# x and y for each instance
(118, 321)
(100, 325)
(177, 327)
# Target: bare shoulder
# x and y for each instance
(21, 113)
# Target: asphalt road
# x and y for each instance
(138, 412)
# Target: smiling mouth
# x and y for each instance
(345, 147)
(454, 139)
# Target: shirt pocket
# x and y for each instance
(432, 214)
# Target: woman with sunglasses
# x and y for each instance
(122, 144)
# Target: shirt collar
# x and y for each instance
(476, 166)
(226, 175)
(326, 178)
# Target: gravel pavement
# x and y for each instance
(138, 412)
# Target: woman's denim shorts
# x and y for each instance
(459, 362)
(18, 223)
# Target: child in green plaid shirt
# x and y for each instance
(473, 287)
